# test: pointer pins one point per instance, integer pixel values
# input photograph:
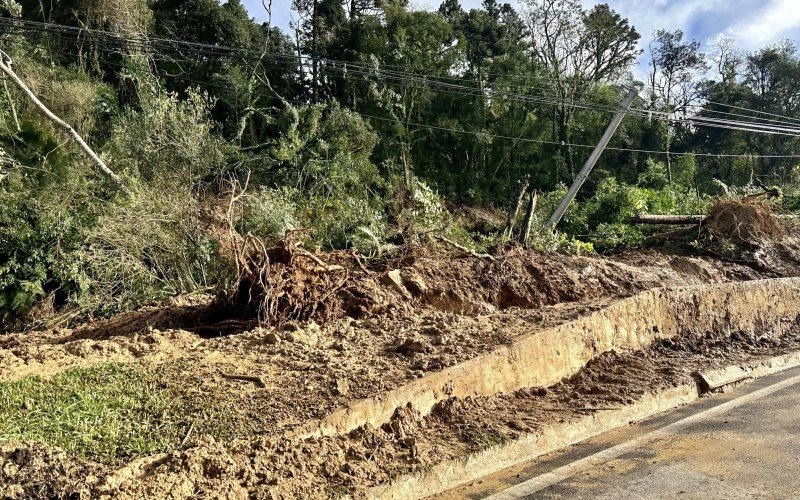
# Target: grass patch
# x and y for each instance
(110, 412)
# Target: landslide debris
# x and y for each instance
(326, 341)
(747, 221)
(275, 467)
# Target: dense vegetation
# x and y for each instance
(360, 125)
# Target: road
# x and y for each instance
(742, 444)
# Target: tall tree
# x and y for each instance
(729, 61)
(316, 33)
(579, 49)
(675, 67)
(773, 75)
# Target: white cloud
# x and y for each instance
(775, 21)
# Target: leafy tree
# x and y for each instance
(674, 66)
(579, 50)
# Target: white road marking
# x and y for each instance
(555, 476)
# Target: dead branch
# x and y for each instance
(318, 261)
(512, 216)
(357, 259)
(462, 248)
(5, 66)
(526, 231)
(188, 434)
(770, 193)
(246, 378)
(667, 219)
(669, 235)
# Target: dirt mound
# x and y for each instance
(529, 280)
(748, 221)
(778, 259)
(35, 470)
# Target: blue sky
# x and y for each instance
(753, 23)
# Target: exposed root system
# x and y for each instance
(748, 221)
(285, 283)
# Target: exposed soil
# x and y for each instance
(422, 313)
(272, 467)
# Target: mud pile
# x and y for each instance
(419, 313)
(275, 467)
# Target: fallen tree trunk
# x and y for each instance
(667, 219)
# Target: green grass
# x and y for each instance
(110, 412)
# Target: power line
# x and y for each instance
(538, 141)
(345, 68)
(753, 110)
(330, 65)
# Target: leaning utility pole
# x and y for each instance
(598, 150)
(5, 67)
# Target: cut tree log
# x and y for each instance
(5, 67)
(667, 219)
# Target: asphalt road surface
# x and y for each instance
(741, 444)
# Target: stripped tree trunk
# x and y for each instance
(667, 219)
(5, 67)
(512, 216)
(526, 228)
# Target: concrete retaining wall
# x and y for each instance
(453, 473)
(544, 358)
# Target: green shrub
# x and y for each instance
(46, 200)
(330, 185)
(424, 211)
(603, 218)
(145, 249)
(269, 213)
(170, 141)
(66, 245)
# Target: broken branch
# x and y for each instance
(247, 378)
(667, 219)
(463, 248)
(5, 66)
(512, 216)
(526, 226)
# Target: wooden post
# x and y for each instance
(5, 67)
(590, 163)
(526, 226)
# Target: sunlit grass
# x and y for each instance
(109, 412)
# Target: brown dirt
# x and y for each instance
(272, 467)
(428, 313)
